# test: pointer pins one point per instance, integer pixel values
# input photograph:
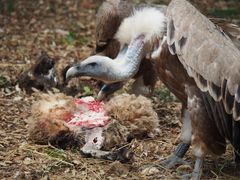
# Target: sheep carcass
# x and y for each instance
(92, 125)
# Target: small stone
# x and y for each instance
(27, 161)
(3, 164)
(184, 169)
(76, 162)
(118, 168)
(150, 171)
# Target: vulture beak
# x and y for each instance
(108, 89)
(108, 70)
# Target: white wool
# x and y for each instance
(150, 22)
(46, 105)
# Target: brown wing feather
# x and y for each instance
(232, 30)
(109, 16)
(207, 53)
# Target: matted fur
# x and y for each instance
(135, 113)
(53, 106)
(47, 121)
(133, 117)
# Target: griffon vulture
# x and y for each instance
(108, 19)
(196, 60)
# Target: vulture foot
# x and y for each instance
(172, 161)
(196, 174)
(176, 157)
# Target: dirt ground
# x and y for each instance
(65, 30)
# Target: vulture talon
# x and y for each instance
(193, 176)
(176, 157)
(172, 161)
(196, 174)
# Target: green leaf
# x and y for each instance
(164, 94)
(87, 91)
(70, 38)
(3, 81)
(56, 153)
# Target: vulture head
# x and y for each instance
(109, 17)
(111, 70)
(136, 35)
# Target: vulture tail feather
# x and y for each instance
(229, 102)
(207, 105)
(172, 48)
(213, 112)
(236, 111)
(202, 82)
(217, 113)
(236, 106)
(226, 120)
(236, 140)
(214, 91)
(171, 31)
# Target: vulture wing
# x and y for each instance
(232, 30)
(206, 52)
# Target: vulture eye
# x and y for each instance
(93, 64)
(101, 46)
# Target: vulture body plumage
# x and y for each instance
(199, 63)
(212, 60)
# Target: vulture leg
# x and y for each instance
(206, 138)
(182, 148)
(176, 157)
(197, 171)
(196, 174)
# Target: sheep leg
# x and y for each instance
(92, 152)
(122, 155)
(176, 157)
